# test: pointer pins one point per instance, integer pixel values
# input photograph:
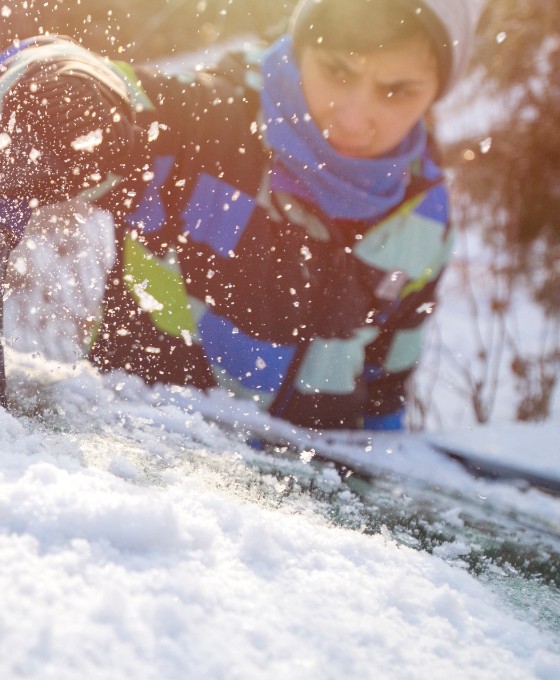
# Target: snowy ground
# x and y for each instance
(140, 540)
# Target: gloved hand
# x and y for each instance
(65, 124)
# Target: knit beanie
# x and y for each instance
(451, 24)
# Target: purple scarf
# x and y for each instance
(305, 164)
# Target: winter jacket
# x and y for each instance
(221, 281)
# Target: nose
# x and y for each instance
(354, 116)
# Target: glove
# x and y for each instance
(65, 124)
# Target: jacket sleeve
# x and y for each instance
(395, 355)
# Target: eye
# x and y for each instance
(396, 92)
(335, 71)
(393, 92)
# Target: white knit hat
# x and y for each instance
(450, 23)
(459, 19)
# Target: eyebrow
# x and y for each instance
(340, 61)
(407, 82)
(348, 64)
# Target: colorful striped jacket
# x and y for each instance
(220, 281)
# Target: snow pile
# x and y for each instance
(109, 571)
(134, 544)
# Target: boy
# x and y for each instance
(284, 223)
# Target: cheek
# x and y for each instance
(319, 106)
(403, 119)
(318, 98)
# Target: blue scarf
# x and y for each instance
(305, 164)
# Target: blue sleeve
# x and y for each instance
(390, 421)
(386, 408)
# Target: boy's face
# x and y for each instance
(366, 104)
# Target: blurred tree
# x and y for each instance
(508, 185)
(518, 174)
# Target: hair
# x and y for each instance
(364, 26)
